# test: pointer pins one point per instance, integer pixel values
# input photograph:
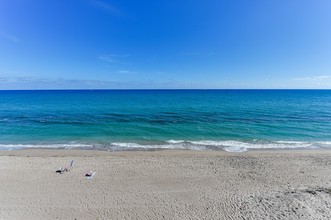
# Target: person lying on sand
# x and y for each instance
(62, 170)
(90, 175)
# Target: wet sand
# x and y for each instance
(166, 185)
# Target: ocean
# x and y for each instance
(230, 120)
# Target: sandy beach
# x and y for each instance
(166, 185)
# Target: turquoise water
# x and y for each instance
(232, 120)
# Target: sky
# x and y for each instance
(165, 44)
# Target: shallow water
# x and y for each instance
(232, 120)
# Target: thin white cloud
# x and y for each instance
(53, 83)
(127, 72)
(107, 7)
(160, 73)
(6, 73)
(33, 83)
(9, 37)
(313, 78)
(111, 58)
(123, 71)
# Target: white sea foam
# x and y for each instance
(175, 141)
(123, 146)
(238, 146)
(228, 145)
(324, 142)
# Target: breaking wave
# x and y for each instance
(227, 145)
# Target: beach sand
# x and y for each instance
(166, 185)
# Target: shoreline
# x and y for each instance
(237, 146)
(170, 184)
(76, 152)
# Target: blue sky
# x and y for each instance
(123, 44)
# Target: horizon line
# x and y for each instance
(152, 89)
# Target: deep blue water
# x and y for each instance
(232, 120)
